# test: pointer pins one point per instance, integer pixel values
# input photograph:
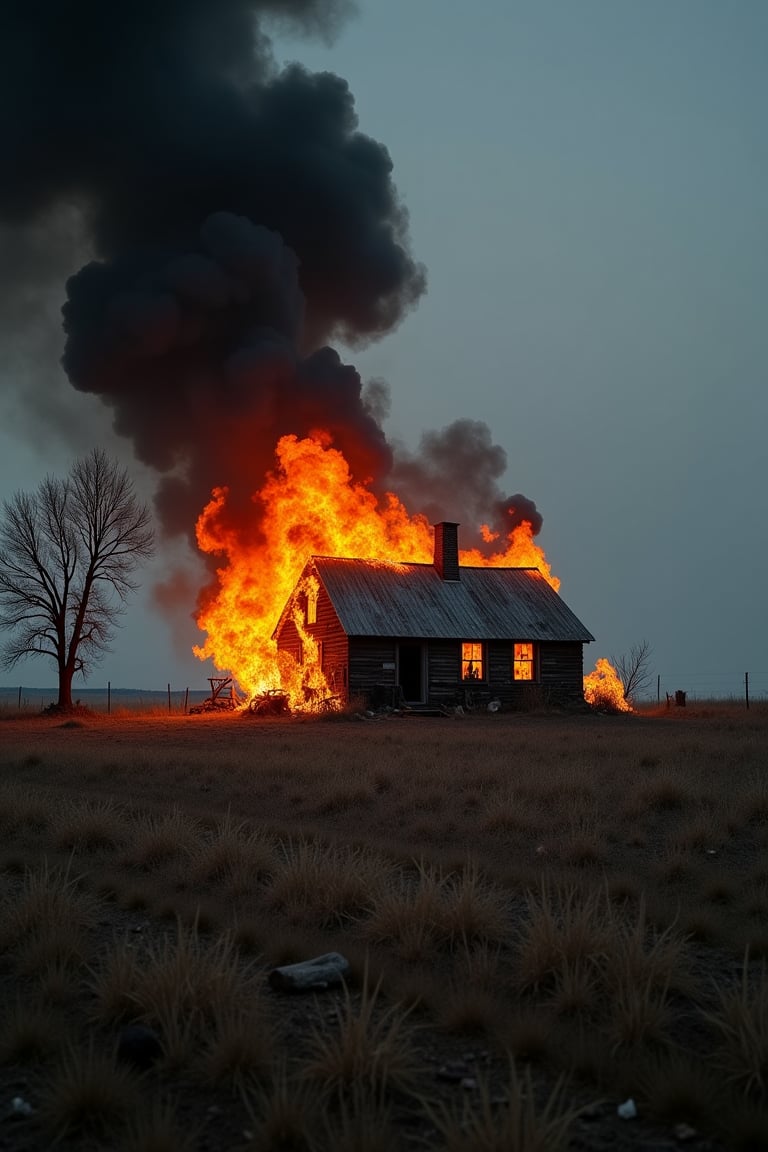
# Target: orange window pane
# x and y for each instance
(471, 661)
(523, 662)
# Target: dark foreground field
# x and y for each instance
(544, 916)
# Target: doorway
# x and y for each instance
(410, 670)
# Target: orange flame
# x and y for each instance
(603, 688)
(310, 506)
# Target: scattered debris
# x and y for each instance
(273, 702)
(321, 972)
(223, 697)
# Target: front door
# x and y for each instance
(410, 670)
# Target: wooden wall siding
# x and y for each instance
(443, 671)
(562, 665)
(288, 639)
(367, 657)
(327, 629)
(335, 644)
(560, 671)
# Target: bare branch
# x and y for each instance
(634, 670)
(68, 555)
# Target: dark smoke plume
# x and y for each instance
(240, 221)
(240, 218)
(454, 476)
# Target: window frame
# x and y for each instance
(466, 661)
(521, 661)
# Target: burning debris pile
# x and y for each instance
(240, 221)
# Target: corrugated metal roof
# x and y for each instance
(376, 598)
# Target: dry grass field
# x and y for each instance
(544, 915)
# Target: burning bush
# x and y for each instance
(603, 689)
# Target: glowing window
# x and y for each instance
(312, 606)
(471, 661)
(523, 664)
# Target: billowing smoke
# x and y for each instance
(240, 220)
(199, 353)
(454, 476)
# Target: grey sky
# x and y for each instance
(586, 184)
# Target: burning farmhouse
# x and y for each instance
(237, 232)
(344, 593)
(429, 633)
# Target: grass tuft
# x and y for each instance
(508, 1121)
(369, 1048)
(87, 1096)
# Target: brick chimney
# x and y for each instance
(447, 550)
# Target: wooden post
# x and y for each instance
(186, 701)
(746, 689)
(109, 697)
(169, 697)
(19, 695)
(658, 689)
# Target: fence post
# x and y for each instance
(186, 701)
(19, 697)
(169, 697)
(658, 689)
(109, 697)
(746, 689)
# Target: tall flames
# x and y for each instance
(603, 688)
(310, 505)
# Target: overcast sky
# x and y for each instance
(587, 183)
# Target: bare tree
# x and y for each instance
(68, 552)
(634, 670)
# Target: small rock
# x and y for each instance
(684, 1132)
(627, 1110)
(21, 1107)
(468, 1083)
(320, 972)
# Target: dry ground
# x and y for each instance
(544, 915)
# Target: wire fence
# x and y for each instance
(696, 686)
(105, 699)
(744, 687)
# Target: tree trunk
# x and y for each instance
(65, 688)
